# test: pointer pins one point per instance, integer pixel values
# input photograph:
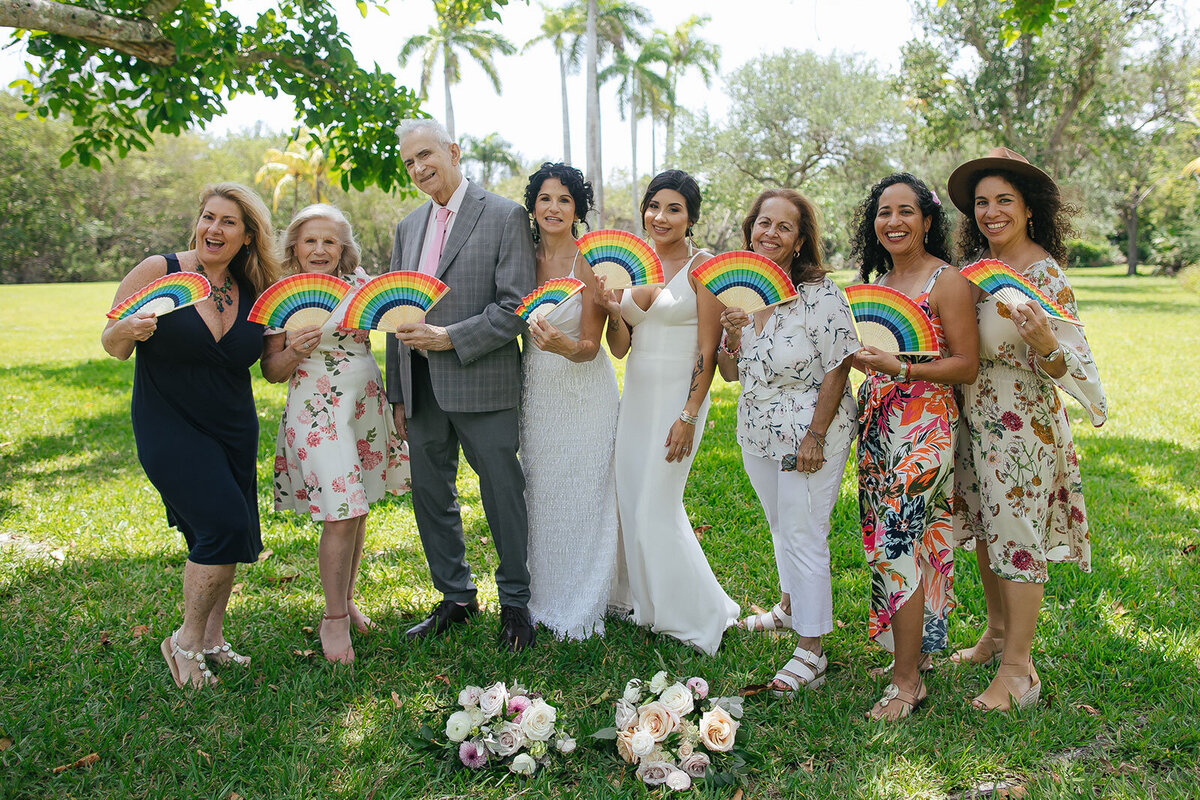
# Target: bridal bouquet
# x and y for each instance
(500, 723)
(676, 734)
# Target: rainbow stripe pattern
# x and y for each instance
(1012, 288)
(299, 301)
(622, 258)
(391, 299)
(745, 280)
(891, 321)
(548, 296)
(164, 295)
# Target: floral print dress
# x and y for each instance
(1017, 483)
(337, 450)
(905, 479)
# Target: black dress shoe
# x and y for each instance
(444, 614)
(516, 629)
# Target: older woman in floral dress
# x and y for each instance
(1018, 490)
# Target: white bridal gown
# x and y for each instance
(665, 576)
(568, 419)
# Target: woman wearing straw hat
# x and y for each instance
(1018, 492)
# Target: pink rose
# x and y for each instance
(313, 439)
(323, 384)
(280, 464)
(301, 494)
(338, 484)
(305, 417)
(290, 435)
(302, 453)
(699, 687)
(372, 388)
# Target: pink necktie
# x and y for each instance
(434, 254)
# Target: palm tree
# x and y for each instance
(563, 28)
(639, 89)
(686, 50)
(610, 23)
(452, 32)
(300, 162)
(490, 152)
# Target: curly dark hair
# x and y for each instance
(808, 265)
(866, 248)
(1051, 220)
(679, 181)
(568, 176)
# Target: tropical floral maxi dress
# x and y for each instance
(1017, 481)
(337, 450)
(905, 480)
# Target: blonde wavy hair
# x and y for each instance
(351, 253)
(258, 262)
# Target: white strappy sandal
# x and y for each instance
(806, 669)
(773, 620)
(170, 649)
(226, 653)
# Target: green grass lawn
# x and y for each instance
(86, 560)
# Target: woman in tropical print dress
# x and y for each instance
(906, 446)
(1018, 490)
(337, 450)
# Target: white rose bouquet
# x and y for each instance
(502, 725)
(675, 734)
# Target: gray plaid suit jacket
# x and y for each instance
(489, 265)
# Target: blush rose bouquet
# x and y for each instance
(501, 726)
(675, 734)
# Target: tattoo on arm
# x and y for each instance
(696, 374)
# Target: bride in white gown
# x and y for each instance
(671, 335)
(568, 419)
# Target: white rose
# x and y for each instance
(633, 691)
(523, 764)
(506, 739)
(717, 730)
(654, 773)
(469, 697)
(625, 747)
(477, 717)
(659, 682)
(679, 780)
(686, 748)
(458, 726)
(492, 701)
(678, 698)
(626, 715)
(642, 743)
(694, 765)
(659, 720)
(537, 721)
(565, 745)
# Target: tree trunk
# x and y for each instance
(448, 78)
(670, 151)
(562, 74)
(1131, 252)
(653, 148)
(633, 171)
(594, 165)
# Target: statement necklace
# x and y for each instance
(221, 295)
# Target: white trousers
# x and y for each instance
(798, 506)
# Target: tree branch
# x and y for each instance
(137, 37)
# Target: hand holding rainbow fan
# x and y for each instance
(1011, 288)
(549, 296)
(298, 301)
(891, 321)
(391, 299)
(745, 280)
(164, 295)
(622, 258)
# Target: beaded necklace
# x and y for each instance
(221, 295)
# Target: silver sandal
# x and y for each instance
(170, 649)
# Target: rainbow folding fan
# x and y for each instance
(622, 258)
(745, 280)
(891, 321)
(548, 296)
(391, 299)
(164, 295)
(1011, 288)
(299, 301)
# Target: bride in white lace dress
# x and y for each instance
(568, 420)
(671, 334)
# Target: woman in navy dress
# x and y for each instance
(193, 412)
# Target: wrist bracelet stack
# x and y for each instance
(688, 418)
(819, 437)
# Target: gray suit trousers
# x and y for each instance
(489, 440)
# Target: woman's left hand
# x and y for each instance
(549, 338)
(1033, 326)
(811, 455)
(875, 359)
(679, 440)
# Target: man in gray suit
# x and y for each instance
(456, 378)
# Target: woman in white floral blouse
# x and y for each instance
(1018, 491)
(796, 420)
(337, 450)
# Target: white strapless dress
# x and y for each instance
(663, 574)
(568, 421)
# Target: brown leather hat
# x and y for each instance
(961, 184)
